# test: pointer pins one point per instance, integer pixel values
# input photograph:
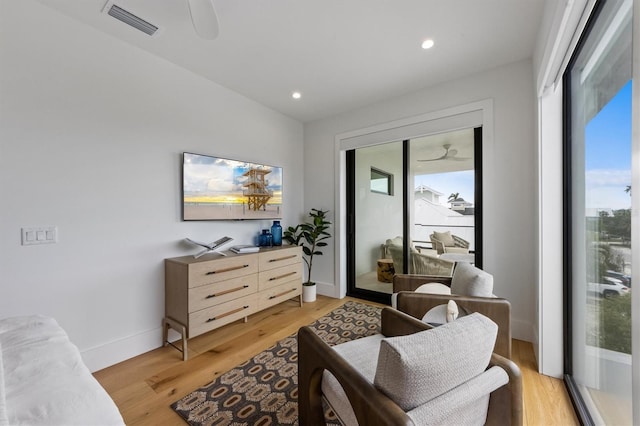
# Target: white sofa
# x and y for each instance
(43, 380)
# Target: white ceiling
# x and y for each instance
(340, 54)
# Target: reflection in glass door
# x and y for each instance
(598, 214)
(378, 203)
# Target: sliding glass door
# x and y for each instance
(598, 218)
(400, 194)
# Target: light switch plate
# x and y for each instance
(39, 235)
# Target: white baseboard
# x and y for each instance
(111, 353)
(522, 330)
(328, 289)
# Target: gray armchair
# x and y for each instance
(410, 374)
(472, 290)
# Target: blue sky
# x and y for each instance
(607, 160)
(608, 154)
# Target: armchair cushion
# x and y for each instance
(445, 237)
(471, 281)
(411, 376)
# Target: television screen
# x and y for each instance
(216, 188)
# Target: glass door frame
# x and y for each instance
(407, 186)
(579, 403)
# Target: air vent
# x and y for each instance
(132, 20)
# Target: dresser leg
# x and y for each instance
(301, 300)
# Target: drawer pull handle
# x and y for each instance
(279, 277)
(226, 291)
(233, 268)
(281, 294)
(282, 258)
(227, 314)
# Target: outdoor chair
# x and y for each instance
(419, 263)
(411, 374)
(446, 242)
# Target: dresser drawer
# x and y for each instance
(202, 273)
(279, 294)
(281, 257)
(275, 277)
(218, 315)
(209, 295)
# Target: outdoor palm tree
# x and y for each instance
(454, 196)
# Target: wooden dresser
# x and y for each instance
(211, 291)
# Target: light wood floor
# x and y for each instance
(143, 387)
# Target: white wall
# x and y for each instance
(510, 202)
(91, 132)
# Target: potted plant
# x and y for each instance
(311, 236)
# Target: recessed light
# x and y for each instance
(427, 44)
(296, 95)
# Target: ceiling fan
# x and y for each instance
(204, 18)
(449, 154)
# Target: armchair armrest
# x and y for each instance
(369, 405)
(396, 323)
(460, 242)
(497, 309)
(437, 245)
(410, 282)
(506, 403)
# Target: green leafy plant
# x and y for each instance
(311, 236)
(615, 324)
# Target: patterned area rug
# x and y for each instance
(264, 390)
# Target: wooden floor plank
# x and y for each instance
(144, 387)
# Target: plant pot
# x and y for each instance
(308, 293)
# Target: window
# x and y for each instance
(381, 182)
(598, 218)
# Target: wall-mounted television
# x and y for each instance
(215, 188)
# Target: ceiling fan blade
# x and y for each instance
(204, 18)
(435, 159)
(445, 155)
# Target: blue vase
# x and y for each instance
(266, 239)
(276, 233)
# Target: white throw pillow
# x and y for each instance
(445, 237)
(416, 368)
(468, 280)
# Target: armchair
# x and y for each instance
(445, 242)
(410, 375)
(471, 289)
